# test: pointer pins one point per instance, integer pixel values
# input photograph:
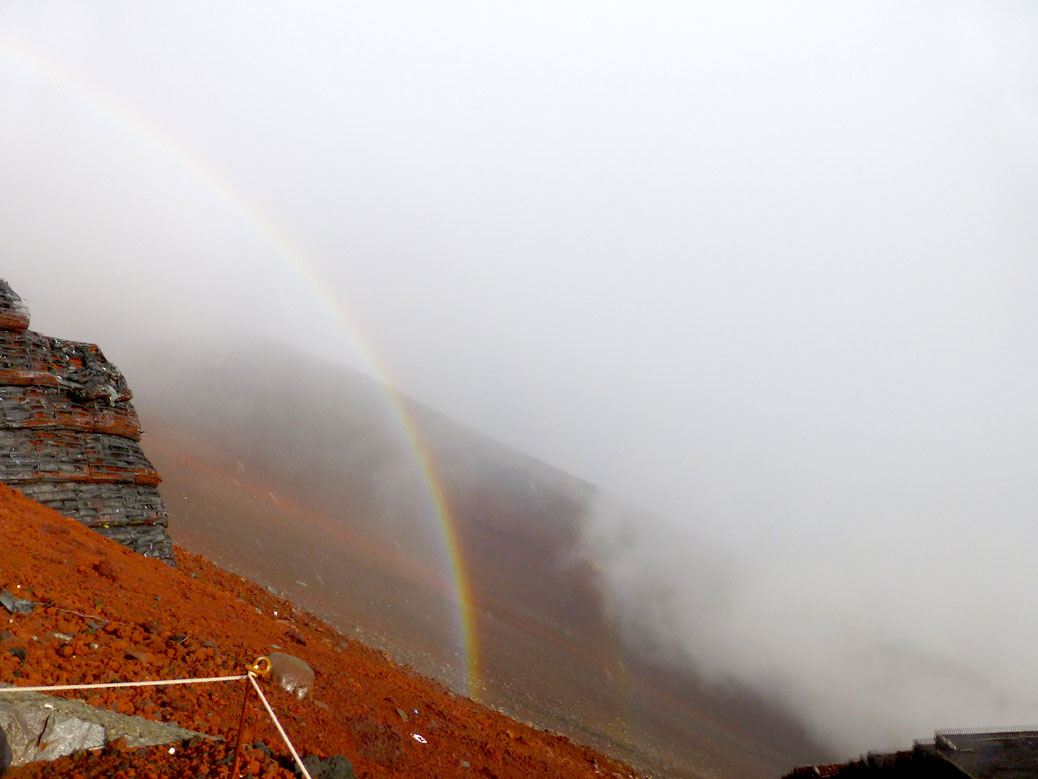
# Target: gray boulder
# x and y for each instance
(40, 727)
(291, 673)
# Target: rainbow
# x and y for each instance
(37, 66)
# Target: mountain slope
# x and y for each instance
(297, 473)
(107, 614)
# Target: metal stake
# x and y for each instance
(241, 729)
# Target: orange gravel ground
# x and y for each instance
(133, 618)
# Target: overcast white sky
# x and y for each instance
(768, 269)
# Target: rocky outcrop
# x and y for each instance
(69, 434)
(40, 727)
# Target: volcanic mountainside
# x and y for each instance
(69, 434)
(81, 608)
(104, 614)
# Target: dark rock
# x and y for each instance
(334, 767)
(69, 435)
(260, 746)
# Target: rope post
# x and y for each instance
(260, 668)
(241, 731)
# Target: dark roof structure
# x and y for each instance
(987, 754)
(1010, 753)
(69, 434)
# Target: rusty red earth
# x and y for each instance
(108, 614)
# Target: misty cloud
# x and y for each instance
(767, 272)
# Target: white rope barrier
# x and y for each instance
(281, 730)
(251, 676)
(113, 685)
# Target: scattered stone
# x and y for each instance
(261, 746)
(106, 569)
(334, 767)
(16, 605)
(379, 742)
(291, 674)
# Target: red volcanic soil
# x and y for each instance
(133, 618)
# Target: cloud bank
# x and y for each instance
(766, 272)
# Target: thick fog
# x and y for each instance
(767, 270)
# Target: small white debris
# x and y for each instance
(172, 750)
(419, 738)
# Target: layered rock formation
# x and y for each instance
(69, 434)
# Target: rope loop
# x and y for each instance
(261, 667)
